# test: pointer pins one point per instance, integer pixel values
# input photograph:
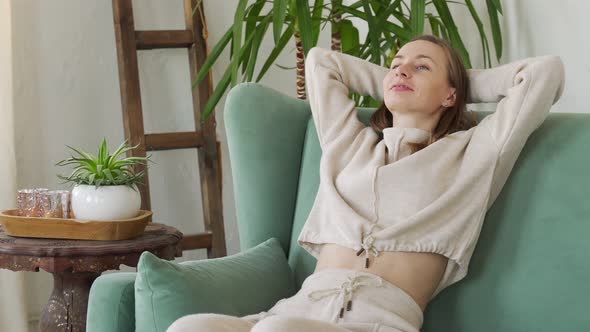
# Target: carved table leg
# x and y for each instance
(67, 305)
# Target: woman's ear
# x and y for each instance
(451, 98)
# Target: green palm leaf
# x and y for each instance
(493, 8)
(237, 38)
(349, 36)
(213, 56)
(304, 24)
(394, 28)
(482, 35)
(279, 12)
(258, 37)
(316, 18)
(252, 17)
(417, 17)
(373, 32)
(225, 79)
(498, 5)
(455, 38)
(287, 34)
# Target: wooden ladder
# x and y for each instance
(128, 41)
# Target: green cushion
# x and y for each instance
(245, 283)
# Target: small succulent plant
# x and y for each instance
(104, 169)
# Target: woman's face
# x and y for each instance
(418, 81)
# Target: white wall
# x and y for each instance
(13, 314)
(66, 90)
(539, 27)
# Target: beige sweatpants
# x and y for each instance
(331, 300)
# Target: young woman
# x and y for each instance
(401, 202)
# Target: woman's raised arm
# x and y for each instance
(525, 91)
(330, 76)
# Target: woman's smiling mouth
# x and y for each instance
(401, 87)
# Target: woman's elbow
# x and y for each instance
(313, 55)
(553, 71)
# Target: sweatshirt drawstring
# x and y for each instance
(346, 290)
(367, 247)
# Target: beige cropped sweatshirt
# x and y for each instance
(375, 196)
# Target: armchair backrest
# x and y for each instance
(530, 270)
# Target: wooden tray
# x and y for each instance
(59, 228)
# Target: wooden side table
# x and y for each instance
(75, 264)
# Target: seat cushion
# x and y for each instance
(245, 283)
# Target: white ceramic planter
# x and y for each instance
(105, 202)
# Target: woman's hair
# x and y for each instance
(454, 118)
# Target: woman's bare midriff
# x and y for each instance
(416, 273)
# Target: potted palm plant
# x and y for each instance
(391, 23)
(105, 185)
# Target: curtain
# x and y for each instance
(13, 309)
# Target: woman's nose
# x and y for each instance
(402, 70)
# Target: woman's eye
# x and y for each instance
(420, 67)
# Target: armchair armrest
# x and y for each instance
(111, 303)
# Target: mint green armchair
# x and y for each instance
(530, 270)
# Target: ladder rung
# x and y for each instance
(172, 141)
(197, 241)
(147, 40)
